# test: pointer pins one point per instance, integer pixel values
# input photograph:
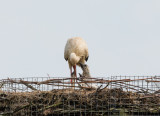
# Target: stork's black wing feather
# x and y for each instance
(87, 58)
(66, 59)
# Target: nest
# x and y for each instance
(67, 101)
(79, 102)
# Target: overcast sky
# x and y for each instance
(123, 36)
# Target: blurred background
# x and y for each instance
(123, 36)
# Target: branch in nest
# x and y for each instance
(23, 82)
(29, 86)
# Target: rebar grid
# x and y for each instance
(54, 96)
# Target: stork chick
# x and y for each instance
(86, 75)
(75, 52)
(85, 69)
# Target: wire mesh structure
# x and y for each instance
(51, 96)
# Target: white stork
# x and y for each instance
(75, 52)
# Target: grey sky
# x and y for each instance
(123, 36)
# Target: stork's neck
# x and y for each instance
(74, 59)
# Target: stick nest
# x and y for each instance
(77, 102)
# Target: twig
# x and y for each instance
(51, 106)
(15, 111)
(22, 82)
(2, 83)
(26, 84)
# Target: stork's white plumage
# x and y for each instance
(75, 52)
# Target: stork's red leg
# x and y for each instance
(71, 74)
(75, 72)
